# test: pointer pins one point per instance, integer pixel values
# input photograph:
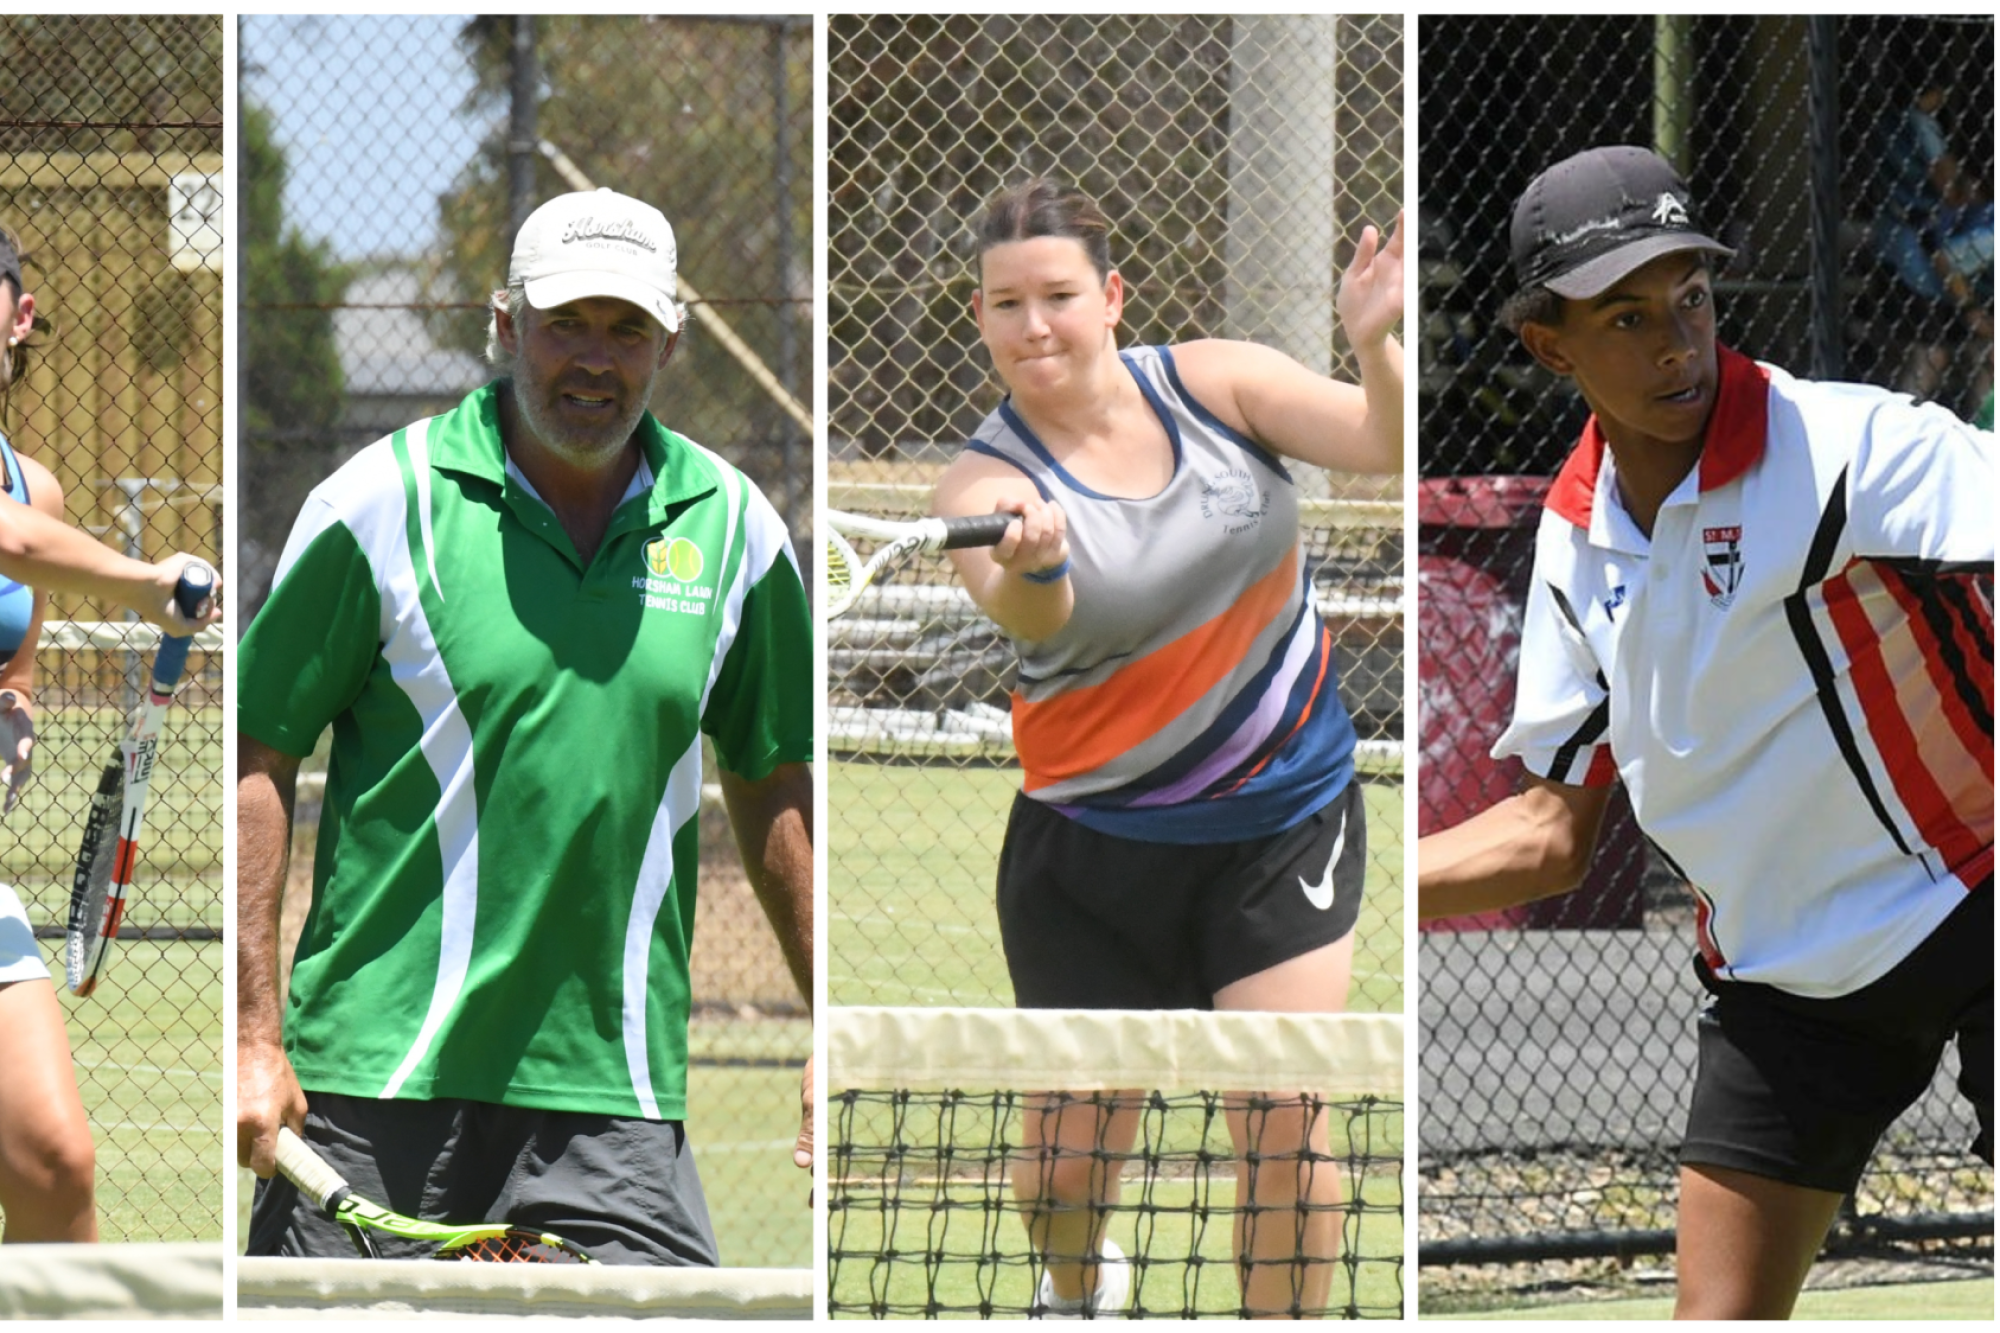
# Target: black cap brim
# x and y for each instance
(1598, 275)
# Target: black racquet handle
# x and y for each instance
(979, 530)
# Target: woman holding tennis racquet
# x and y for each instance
(1189, 834)
(47, 1159)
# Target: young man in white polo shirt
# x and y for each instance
(1757, 602)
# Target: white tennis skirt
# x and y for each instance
(20, 956)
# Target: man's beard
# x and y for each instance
(582, 446)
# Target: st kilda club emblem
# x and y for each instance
(1723, 570)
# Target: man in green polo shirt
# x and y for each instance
(519, 618)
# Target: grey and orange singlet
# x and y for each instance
(1191, 697)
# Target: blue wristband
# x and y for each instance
(1048, 575)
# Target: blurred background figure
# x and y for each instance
(1934, 230)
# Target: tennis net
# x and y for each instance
(414, 1289)
(138, 1280)
(940, 1120)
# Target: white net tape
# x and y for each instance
(181, 1280)
(414, 1289)
(1087, 1049)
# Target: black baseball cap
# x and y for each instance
(10, 263)
(1590, 220)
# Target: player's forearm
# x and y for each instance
(1026, 609)
(772, 820)
(46, 553)
(265, 785)
(1514, 853)
(1382, 382)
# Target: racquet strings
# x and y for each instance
(838, 572)
(512, 1248)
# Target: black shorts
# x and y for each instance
(1800, 1090)
(623, 1188)
(1092, 921)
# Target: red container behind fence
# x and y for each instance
(1475, 552)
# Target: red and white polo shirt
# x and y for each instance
(1793, 677)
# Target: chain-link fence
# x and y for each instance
(1238, 160)
(1557, 1045)
(385, 162)
(110, 175)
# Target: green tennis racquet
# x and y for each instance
(490, 1242)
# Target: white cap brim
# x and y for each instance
(581, 284)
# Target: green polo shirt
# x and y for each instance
(504, 893)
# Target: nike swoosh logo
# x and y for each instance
(1320, 895)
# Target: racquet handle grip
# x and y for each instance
(978, 530)
(196, 586)
(191, 594)
(307, 1169)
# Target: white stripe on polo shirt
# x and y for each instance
(1793, 677)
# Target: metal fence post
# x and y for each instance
(521, 136)
(1823, 120)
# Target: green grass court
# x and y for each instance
(148, 1048)
(1910, 1301)
(912, 851)
(742, 1123)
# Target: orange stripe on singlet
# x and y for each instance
(1081, 730)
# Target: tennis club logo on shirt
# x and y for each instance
(1234, 498)
(674, 566)
(676, 556)
(1722, 571)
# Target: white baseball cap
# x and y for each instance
(597, 243)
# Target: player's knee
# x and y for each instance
(1071, 1180)
(54, 1166)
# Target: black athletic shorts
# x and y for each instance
(1800, 1090)
(623, 1188)
(1092, 921)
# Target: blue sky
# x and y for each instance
(367, 110)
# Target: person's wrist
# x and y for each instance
(1053, 574)
(1373, 343)
(260, 1041)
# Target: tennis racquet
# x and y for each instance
(489, 1242)
(104, 863)
(846, 575)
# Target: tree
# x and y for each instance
(148, 83)
(292, 383)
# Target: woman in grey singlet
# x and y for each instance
(47, 1159)
(1158, 526)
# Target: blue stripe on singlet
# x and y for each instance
(1215, 423)
(1272, 801)
(1238, 711)
(983, 448)
(1048, 460)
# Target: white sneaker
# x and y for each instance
(1113, 1294)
